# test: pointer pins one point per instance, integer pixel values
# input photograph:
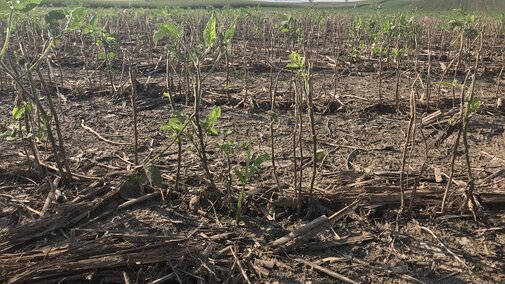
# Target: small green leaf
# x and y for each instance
(153, 175)
(244, 177)
(102, 55)
(213, 132)
(297, 61)
(94, 21)
(227, 146)
(257, 163)
(53, 19)
(214, 115)
(4, 6)
(210, 121)
(167, 30)
(228, 35)
(25, 5)
(174, 124)
(18, 112)
(209, 34)
(77, 18)
(241, 177)
(132, 188)
(320, 154)
(474, 105)
(285, 24)
(55, 16)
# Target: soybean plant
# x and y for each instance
(28, 107)
(230, 149)
(304, 71)
(244, 176)
(469, 104)
(175, 126)
(196, 56)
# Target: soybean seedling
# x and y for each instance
(230, 149)
(175, 126)
(195, 55)
(244, 176)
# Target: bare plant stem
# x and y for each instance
(398, 71)
(33, 147)
(470, 188)
(300, 136)
(421, 171)
(454, 151)
(310, 106)
(197, 88)
(246, 76)
(336, 55)
(499, 79)
(406, 145)
(294, 142)
(67, 176)
(380, 71)
(470, 201)
(273, 118)
(428, 77)
(167, 82)
(135, 114)
(179, 164)
(227, 82)
(458, 62)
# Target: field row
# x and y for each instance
(492, 7)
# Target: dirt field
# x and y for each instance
(91, 232)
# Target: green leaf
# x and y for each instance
(209, 34)
(53, 19)
(153, 175)
(174, 124)
(226, 132)
(210, 121)
(214, 115)
(297, 61)
(227, 146)
(77, 18)
(94, 21)
(167, 30)
(4, 6)
(133, 187)
(55, 16)
(91, 28)
(474, 105)
(241, 177)
(18, 112)
(228, 35)
(25, 5)
(320, 154)
(102, 55)
(285, 24)
(244, 177)
(257, 163)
